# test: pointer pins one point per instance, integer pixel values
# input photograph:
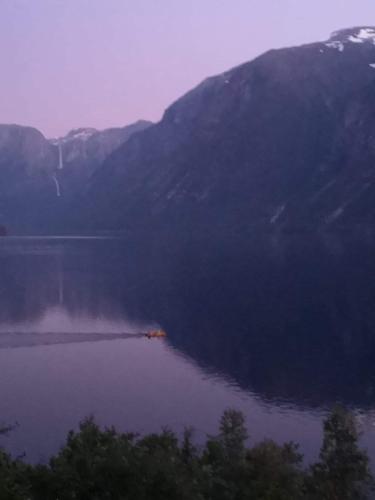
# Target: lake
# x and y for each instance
(281, 329)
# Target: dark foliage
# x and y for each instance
(97, 464)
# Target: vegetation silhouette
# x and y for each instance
(100, 464)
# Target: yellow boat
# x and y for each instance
(156, 334)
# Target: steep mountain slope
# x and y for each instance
(26, 174)
(285, 141)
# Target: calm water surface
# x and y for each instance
(281, 330)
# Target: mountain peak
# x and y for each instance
(360, 34)
(81, 133)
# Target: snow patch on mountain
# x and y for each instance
(277, 214)
(335, 215)
(355, 39)
(335, 45)
(81, 134)
(359, 36)
(363, 35)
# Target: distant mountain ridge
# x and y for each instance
(92, 146)
(284, 142)
(40, 179)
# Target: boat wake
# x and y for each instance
(12, 340)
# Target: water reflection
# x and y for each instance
(284, 325)
(290, 319)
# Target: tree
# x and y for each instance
(273, 472)
(103, 464)
(223, 459)
(342, 472)
(14, 474)
(233, 435)
(94, 464)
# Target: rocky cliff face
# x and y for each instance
(23, 148)
(283, 142)
(26, 174)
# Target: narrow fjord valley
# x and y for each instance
(240, 226)
(42, 179)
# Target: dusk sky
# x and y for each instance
(102, 63)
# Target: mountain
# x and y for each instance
(26, 173)
(23, 149)
(40, 179)
(284, 142)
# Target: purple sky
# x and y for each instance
(102, 63)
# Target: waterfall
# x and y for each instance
(58, 193)
(61, 162)
(61, 289)
(60, 277)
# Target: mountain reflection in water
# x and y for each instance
(285, 325)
